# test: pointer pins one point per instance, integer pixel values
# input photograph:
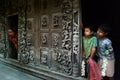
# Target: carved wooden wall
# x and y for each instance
(2, 41)
(49, 34)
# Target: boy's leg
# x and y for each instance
(88, 70)
(100, 63)
(110, 68)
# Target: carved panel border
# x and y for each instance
(67, 18)
(23, 56)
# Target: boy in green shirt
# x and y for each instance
(89, 45)
(89, 42)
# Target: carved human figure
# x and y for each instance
(44, 22)
(55, 38)
(56, 21)
(44, 39)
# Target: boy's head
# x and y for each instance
(10, 32)
(103, 30)
(89, 30)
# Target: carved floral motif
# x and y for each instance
(61, 57)
(26, 51)
(64, 59)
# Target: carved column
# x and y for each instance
(71, 40)
(67, 17)
(77, 37)
(3, 50)
(25, 32)
(23, 56)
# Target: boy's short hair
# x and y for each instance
(105, 28)
(91, 27)
(14, 29)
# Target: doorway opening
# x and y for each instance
(13, 36)
(97, 12)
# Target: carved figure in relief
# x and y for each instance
(44, 57)
(44, 39)
(56, 21)
(55, 40)
(44, 22)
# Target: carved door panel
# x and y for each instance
(50, 35)
(57, 35)
(60, 36)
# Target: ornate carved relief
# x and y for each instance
(44, 22)
(23, 54)
(26, 49)
(44, 39)
(44, 56)
(56, 20)
(55, 40)
(76, 42)
(65, 58)
(30, 46)
(58, 54)
(67, 24)
(66, 39)
(62, 61)
(21, 38)
(75, 34)
(31, 55)
(2, 41)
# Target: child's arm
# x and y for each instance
(109, 49)
(94, 48)
(93, 52)
(83, 54)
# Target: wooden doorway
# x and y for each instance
(13, 36)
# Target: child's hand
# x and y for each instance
(81, 25)
(83, 55)
(88, 61)
(107, 52)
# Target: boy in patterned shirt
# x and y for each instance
(105, 52)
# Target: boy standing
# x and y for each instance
(89, 47)
(105, 52)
